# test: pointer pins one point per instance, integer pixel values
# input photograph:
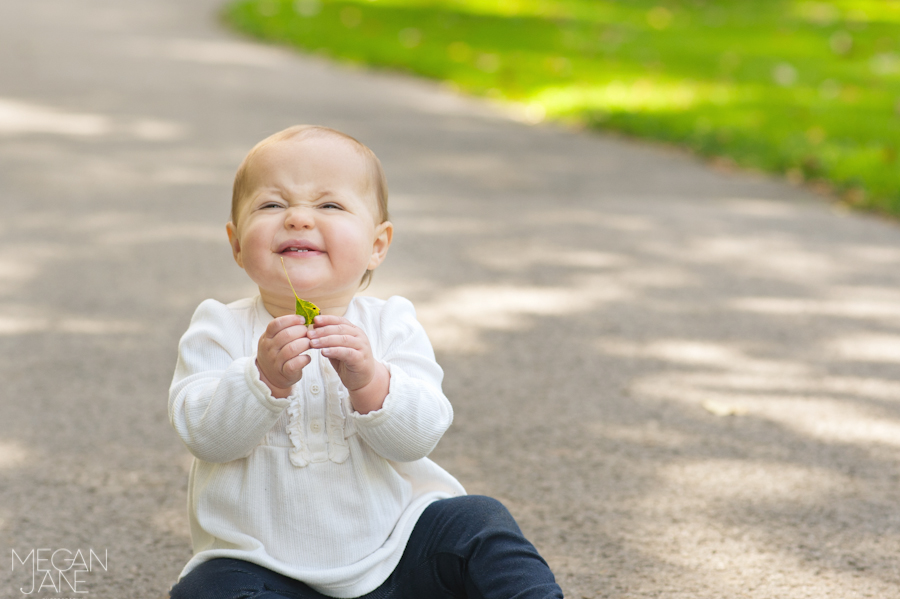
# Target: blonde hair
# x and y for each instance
(377, 179)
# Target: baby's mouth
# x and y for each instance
(300, 253)
(298, 248)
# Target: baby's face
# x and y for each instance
(310, 203)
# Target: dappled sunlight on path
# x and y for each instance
(712, 383)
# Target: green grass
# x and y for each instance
(808, 89)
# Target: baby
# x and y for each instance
(310, 476)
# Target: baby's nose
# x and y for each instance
(299, 216)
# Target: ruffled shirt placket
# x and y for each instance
(318, 424)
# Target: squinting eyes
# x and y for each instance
(329, 205)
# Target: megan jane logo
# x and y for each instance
(59, 570)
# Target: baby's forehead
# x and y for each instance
(322, 161)
(282, 156)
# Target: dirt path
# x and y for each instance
(683, 382)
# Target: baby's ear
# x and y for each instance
(235, 242)
(384, 233)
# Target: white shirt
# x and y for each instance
(304, 485)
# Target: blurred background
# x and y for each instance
(807, 89)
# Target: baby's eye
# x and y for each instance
(270, 205)
(331, 205)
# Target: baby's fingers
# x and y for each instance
(282, 325)
(294, 348)
(283, 322)
(323, 320)
(292, 368)
(324, 330)
(351, 341)
(285, 335)
(347, 355)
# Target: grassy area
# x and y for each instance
(808, 89)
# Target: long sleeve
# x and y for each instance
(217, 403)
(415, 413)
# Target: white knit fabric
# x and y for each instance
(306, 486)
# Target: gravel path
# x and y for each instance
(683, 382)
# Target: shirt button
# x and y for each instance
(315, 426)
(314, 389)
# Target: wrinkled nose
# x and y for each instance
(299, 217)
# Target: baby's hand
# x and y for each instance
(278, 354)
(348, 349)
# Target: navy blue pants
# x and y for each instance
(466, 547)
